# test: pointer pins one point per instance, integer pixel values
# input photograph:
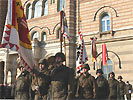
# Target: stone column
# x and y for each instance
(3, 12)
(71, 9)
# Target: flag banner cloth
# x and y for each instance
(63, 25)
(93, 49)
(104, 54)
(81, 53)
(16, 33)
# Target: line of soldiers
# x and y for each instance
(55, 81)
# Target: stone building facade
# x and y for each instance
(110, 21)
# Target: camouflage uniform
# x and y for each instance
(86, 85)
(128, 91)
(22, 87)
(122, 88)
(62, 83)
(114, 88)
(102, 87)
(42, 81)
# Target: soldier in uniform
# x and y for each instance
(86, 87)
(41, 81)
(102, 85)
(122, 87)
(62, 79)
(22, 86)
(128, 90)
(114, 88)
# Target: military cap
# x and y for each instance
(43, 61)
(99, 71)
(86, 66)
(60, 54)
(112, 73)
(120, 77)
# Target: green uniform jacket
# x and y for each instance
(114, 89)
(86, 87)
(62, 83)
(22, 88)
(102, 87)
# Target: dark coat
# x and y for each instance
(86, 87)
(62, 83)
(102, 87)
(114, 89)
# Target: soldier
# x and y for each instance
(128, 90)
(86, 84)
(114, 89)
(102, 85)
(22, 86)
(62, 79)
(41, 81)
(122, 87)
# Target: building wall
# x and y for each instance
(119, 40)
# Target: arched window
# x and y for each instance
(43, 37)
(38, 9)
(35, 35)
(29, 12)
(105, 22)
(45, 7)
(108, 68)
(60, 5)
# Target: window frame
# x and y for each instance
(104, 18)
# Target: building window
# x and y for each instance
(107, 69)
(38, 9)
(45, 7)
(43, 37)
(60, 5)
(29, 11)
(35, 35)
(105, 22)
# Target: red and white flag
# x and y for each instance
(63, 25)
(82, 54)
(104, 54)
(16, 33)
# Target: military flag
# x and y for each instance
(104, 54)
(63, 25)
(16, 33)
(81, 53)
(93, 49)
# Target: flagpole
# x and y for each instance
(61, 14)
(5, 69)
(65, 48)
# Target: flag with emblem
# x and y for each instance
(81, 54)
(63, 25)
(16, 33)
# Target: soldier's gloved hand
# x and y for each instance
(37, 88)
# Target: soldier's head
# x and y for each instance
(127, 82)
(59, 58)
(120, 78)
(43, 64)
(111, 75)
(85, 68)
(99, 72)
(51, 60)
